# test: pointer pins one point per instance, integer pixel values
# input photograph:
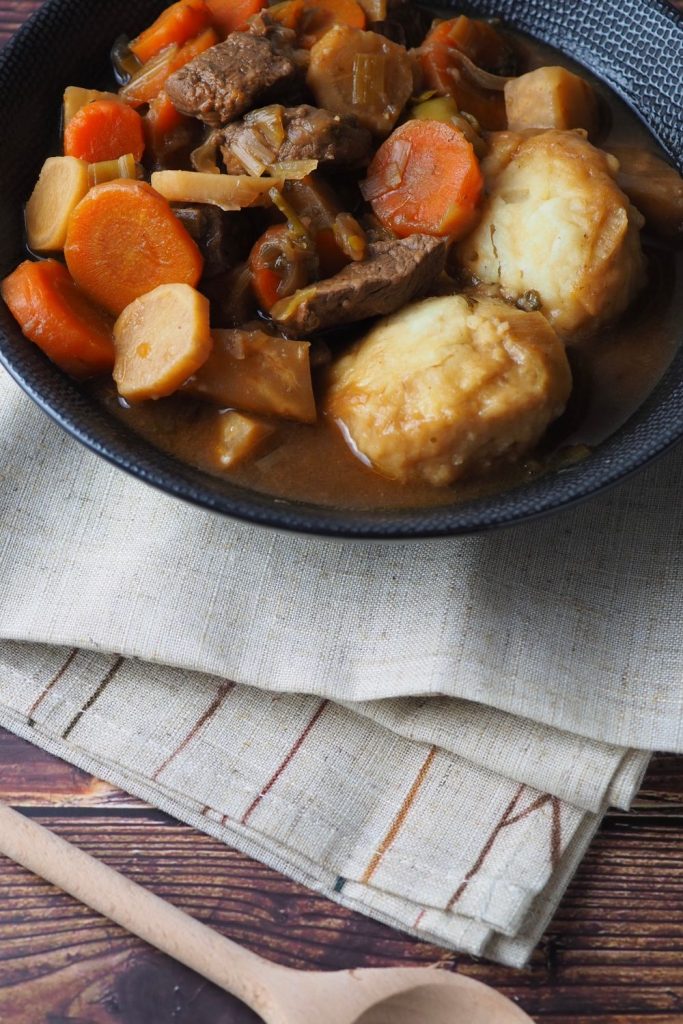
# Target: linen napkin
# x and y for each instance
(429, 733)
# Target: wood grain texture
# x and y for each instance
(613, 954)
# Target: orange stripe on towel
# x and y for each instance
(400, 818)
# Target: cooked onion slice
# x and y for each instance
(229, 191)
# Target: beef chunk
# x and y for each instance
(223, 238)
(247, 70)
(394, 273)
(309, 134)
(232, 298)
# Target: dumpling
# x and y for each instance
(448, 387)
(557, 229)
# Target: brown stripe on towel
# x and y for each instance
(222, 692)
(93, 697)
(540, 802)
(48, 686)
(398, 821)
(508, 818)
(291, 754)
(486, 848)
(556, 833)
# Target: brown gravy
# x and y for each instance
(613, 375)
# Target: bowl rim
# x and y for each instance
(555, 491)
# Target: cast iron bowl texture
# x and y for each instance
(635, 46)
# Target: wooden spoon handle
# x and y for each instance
(228, 965)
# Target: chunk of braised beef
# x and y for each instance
(232, 298)
(248, 70)
(394, 272)
(223, 238)
(308, 133)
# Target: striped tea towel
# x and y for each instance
(428, 733)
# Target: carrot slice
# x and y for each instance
(163, 115)
(150, 80)
(266, 283)
(162, 124)
(233, 15)
(442, 72)
(178, 23)
(124, 240)
(425, 179)
(104, 130)
(59, 319)
(204, 41)
(280, 264)
(478, 40)
(288, 13)
(320, 16)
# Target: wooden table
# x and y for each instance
(614, 952)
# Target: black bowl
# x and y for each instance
(635, 46)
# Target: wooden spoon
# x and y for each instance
(280, 995)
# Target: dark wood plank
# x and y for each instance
(615, 947)
(613, 953)
(32, 777)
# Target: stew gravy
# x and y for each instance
(613, 374)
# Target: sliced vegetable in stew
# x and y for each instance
(346, 252)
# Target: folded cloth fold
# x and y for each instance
(429, 733)
(574, 621)
(408, 831)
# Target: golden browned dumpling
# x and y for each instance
(557, 225)
(449, 386)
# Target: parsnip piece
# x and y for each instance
(654, 187)
(75, 98)
(229, 191)
(62, 184)
(363, 74)
(161, 339)
(239, 438)
(551, 97)
(253, 371)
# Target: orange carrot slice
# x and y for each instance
(280, 264)
(288, 13)
(59, 319)
(320, 16)
(233, 15)
(123, 240)
(480, 43)
(150, 80)
(177, 24)
(425, 179)
(161, 123)
(104, 130)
